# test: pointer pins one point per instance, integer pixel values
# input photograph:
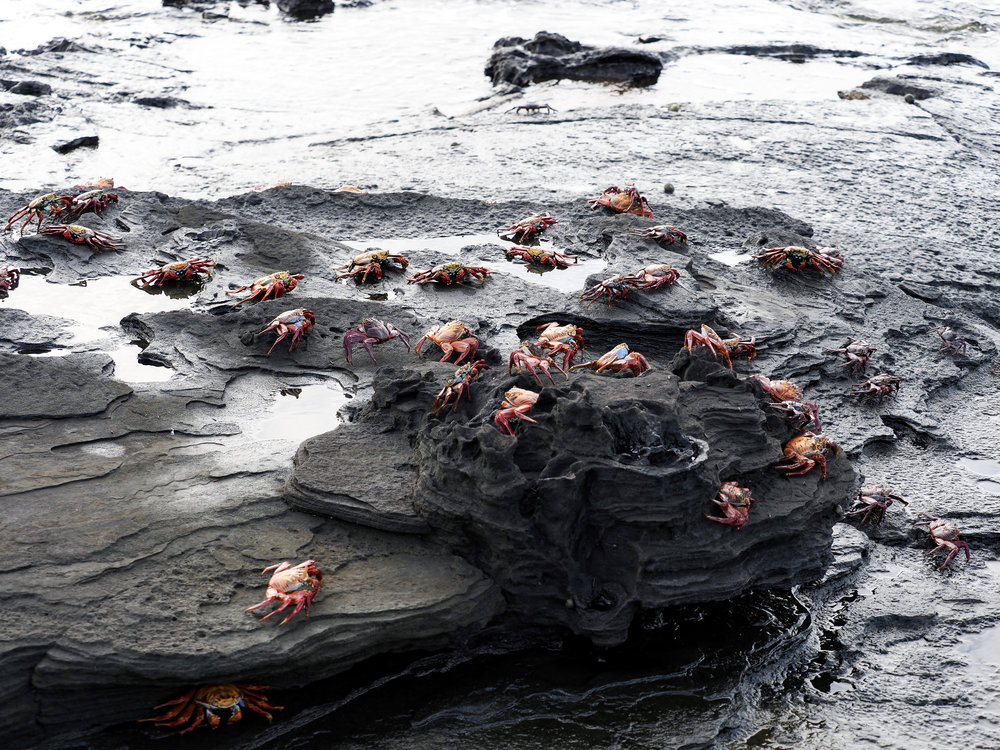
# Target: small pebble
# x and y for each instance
(674, 107)
(909, 99)
(668, 188)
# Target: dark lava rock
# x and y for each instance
(947, 58)
(86, 141)
(550, 57)
(796, 53)
(900, 87)
(27, 88)
(59, 44)
(305, 9)
(159, 102)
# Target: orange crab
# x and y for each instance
(453, 336)
(374, 262)
(627, 201)
(291, 584)
(561, 339)
(805, 451)
(730, 347)
(274, 285)
(517, 402)
(204, 704)
(450, 273)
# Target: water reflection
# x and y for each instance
(300, 412)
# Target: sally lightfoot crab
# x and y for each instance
(450, 273)
(540, 257)
(9, 279)
(945, 536)
(453, 336)
(787, 398)
(516, 405)
(653, 276)
(296, 322)
(805, 451)
(615, 288)
(372, 262)
(618, 360)
(856, 354)
(561, 339)
(627, 201)
(372, 331)
(459, 383)
(185, 270)
(81, 235)
(952, 341)
(733, 346)
(663, 235)
(93, 201)
(531, 356)
(526, 230)
(873, 502)
(50, 204)
(735, 502)
(796, 258)
(877, 387)
(273, 285)
(206, 702)
(291, 584)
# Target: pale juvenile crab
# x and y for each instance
(952, 341)
(856, 354)
(372, 331)
(877, 387)
(291, 584)
(516, 405)
(453, 336)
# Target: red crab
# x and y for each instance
(296, 322)
(877, 387)
(526, 230)
(874, 501)
(204, 703)
(945, 536)
(83, 236)
(561, 339)
(952, 342)
(516, 404)
(459, 383)
(856, 353)
(540, 257)
(663, 235)
(9, 279)
(530, 356)
(274, 285)
(733, 346)
(372, 331)
(453, 336)
(805, 451)
(735, 502)
(184, 270)
(796, 258)
(93, 200)
(618, 359)
(291, 584)
(450, 273)
(49, 203)
(653, 277)
(373, 261)
(615, 287)
(787, 398)
(627, 201)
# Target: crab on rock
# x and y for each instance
(615, 287)
(374, 262)
(450, 273)
(805, 451)
(296, 322)
(796, 258)
(273, 285)
(952, 341)
(787, 398)
(453, 336)
(945, 536)
(291, 584)
(733, 346)
(873, 502)
(540, 257)
(663, 235)
(372, 331)
(526, 230)
(516, 405)
(530, 356)
(627, 201)
(204, 704)
(184, 270)
(856, 353)
(9, 279)
(81, 235)
(653, 276)
(93, 200)
(459, 383)
(877, 387)
(49, 203)
(617, 360)
(561, 339)
(735, 502)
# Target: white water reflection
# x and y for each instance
(300, 412)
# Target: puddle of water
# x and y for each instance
(300, 412)
(449, 247)
(129, 369)
(730, 257)
(982, 466)
(983, 647)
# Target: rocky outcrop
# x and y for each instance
(305, 9)
(551, 57)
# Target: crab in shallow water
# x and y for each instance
(877, 387)
(945, 536)
(653, 276)
(9, 279)
(796, 258)
(530, 356)
(526, 230)
(372, 331)
(374, 262)
(627, 201)
(561, 339)
(93, 200)
(49, 203)
(663, 235)
(273, 285)
(296, 322)
(735, 502)
(453, 336)
(787, 398)
(540, 257)
(459, 383)
(733, 346)
(856, 353)
(450, 273)
(184, 270)
(617, 360)
(873, 502)
(952, 341)
(291, 584)
(805, 451)
(516, 405)
(81, 235)
(204, 704)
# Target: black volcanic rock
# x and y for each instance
(550, 57)
(305, 9)
(900, 87)
(86, 141)
(27, 88)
